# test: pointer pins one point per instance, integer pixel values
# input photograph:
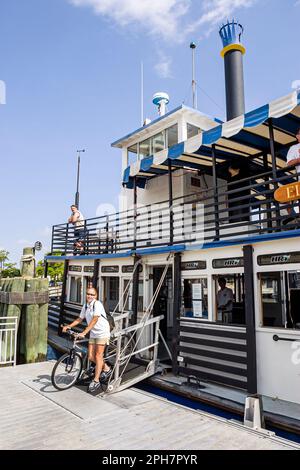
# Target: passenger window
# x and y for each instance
(194, 298)
(75, 290)
(230, 299)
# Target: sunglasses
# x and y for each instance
(92, 295)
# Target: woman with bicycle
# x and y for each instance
(98, 327)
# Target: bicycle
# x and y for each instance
(69, 368)
(72, 366)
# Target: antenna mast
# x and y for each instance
(142, 93)
(194, 84)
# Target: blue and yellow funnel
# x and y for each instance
(232, 53)
(231, 37)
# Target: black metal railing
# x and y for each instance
(242, 208)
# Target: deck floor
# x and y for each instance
(33, 415)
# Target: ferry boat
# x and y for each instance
(184, 223)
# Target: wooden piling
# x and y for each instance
(31, 330)
(33, 318)
(28, 263)
(43, 323)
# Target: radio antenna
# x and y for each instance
(194, 83)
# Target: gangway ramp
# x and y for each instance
(33, 415)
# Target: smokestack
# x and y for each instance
(232, 52)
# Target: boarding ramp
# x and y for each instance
(141, 338)
(128, 367)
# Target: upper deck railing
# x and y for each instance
(237, 209)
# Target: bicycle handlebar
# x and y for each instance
(70, 332)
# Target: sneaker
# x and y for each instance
(104, 376)
(89, 373)
(94, 386)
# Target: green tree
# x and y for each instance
(55, 270)
(10, 270)
(3, 257)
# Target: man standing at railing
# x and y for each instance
(77, 220)
(293, 159)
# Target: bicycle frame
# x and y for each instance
(82, 351)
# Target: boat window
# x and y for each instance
(75, 289)
(230, 304)
(132, 154)
(172, 136)
(294, 299)
(280, 297)
(273, 308)
(87, 282)
(110, 292)
(192, 130)
(128, 297)
(113, 288)
(194, 298)
(145, 148)
(158, 142)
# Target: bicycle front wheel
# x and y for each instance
(66, 371)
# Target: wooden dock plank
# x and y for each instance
(39, 417)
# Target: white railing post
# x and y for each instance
(8, 340)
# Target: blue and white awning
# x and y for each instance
(246, 135)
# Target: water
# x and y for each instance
(52, 353)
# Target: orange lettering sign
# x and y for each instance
(288, 192)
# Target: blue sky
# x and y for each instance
(72, 75)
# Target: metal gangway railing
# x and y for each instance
(143, 337)
(129, 367)
(8, 340)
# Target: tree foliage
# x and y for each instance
(55, 270)
(10, 270)
(3, 257)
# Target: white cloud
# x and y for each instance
(167, 19)
(217, 11)
(156, 16)
(296, 83)
(163, 66)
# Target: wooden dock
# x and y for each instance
(33, 415)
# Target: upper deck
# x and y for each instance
(208, 205)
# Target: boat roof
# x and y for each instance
(244, 136)
(168, 119)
